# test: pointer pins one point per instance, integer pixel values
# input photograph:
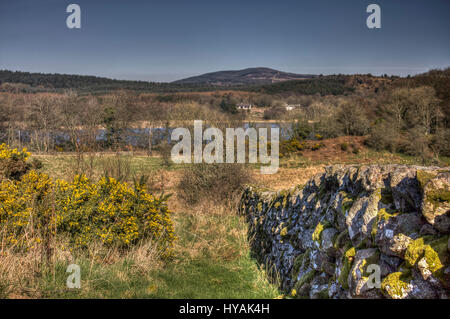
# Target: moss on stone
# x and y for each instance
(350, 253)
(323, 294)
(439, 195)
(382, 215)
(293, 292)
(285, 202)
(306, 278)
(374, 259)
(423, 177)
(374, 230)
(414, 252)
(317, 232)
(347, 261)
(340, 239)
(347, 203)
(300, 260)
(363, 244)
(386, 196)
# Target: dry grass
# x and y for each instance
(286, 178)
(25, 275)
(213, 230)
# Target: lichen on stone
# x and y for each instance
(317, 234)
(346, 219)
(259, 206)
(433, 250)
(397, 285)
(382, 216)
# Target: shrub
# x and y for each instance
(384, 136)
(113, 213)
(318, 137)
(440, 142)
(13, 163)
(274, 113)
(355, 148)
(317, 146)
(352, 120)
(344, 147)
(293, 145)
(118, 167)
(302, 129)
(221, 183)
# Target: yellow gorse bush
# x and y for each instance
(13, 163)
(109, 211)
(9, 153)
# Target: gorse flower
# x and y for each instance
(13, 163)
(82, 210)
(7, 153)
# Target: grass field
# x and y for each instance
(212, 260)
(211, 257)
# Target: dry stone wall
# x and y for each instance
(329, 238)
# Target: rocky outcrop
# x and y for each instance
(379, 231)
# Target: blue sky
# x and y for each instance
(164, 40)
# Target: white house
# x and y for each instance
(290, 107)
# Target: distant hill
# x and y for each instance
(250, 76)
(34, 82)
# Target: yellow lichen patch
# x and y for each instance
(259, 206)
(384, 215)
(396, 285)
(318, 232)
(434, 251)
